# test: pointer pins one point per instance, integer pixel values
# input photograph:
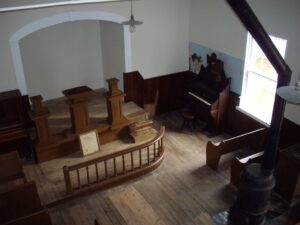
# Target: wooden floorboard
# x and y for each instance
(134, 208)
(183, 190)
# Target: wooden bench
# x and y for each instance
(287, 173)
(238, 165)
(19, 202)
(10, 169)
(254, 139)
(39, 218)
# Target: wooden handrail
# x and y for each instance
(125, 151)
(108, 167)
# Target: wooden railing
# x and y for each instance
(112, 169)
(254, 139)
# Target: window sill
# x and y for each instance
(252, 116)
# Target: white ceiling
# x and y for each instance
(15, 5)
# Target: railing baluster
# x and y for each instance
(132, 166)
(88, 175)
(78, 178)
(154, 150)
(115, 167)
(123, 160)
(140, 154)
(148, 155)
(97, 173)
(105, 169)
(162, 144)
(67, 180)
(159, 148)
(140, 151)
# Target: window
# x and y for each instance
(260, 80)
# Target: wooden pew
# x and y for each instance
(10, 167)
(238, 165)
(14, 123)
(19, 202)
(287, 173)
(40, 218)
(254, 139)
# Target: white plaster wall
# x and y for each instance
(159, 46)
(112, 51)
(214, 25)
(62, 56)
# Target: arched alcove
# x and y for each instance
(57, 19)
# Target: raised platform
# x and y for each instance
(65, 126)
(51, 183)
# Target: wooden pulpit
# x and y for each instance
(114, 98)
(77, 100)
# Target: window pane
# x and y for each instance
(260, 80)
(259, 96)
(259, 63)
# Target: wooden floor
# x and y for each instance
(181, 191)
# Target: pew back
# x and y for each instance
(19, 201)
(40, 218)
(254, 139)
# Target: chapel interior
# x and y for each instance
(102, 122)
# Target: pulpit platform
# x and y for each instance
(49, 175)
(61, 123)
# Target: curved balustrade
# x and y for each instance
(113, 169)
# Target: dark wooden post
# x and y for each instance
(114, 98)
(77, 100)
(66, 171)
(257, 181)
(39, 115)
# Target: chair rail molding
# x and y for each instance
(67, 16)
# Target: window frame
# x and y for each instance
(269, 77)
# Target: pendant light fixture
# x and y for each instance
(132, 22)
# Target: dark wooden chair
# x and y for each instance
(189, 120)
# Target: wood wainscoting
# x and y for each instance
(170, 87)
(239, 123)
(171, 90)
